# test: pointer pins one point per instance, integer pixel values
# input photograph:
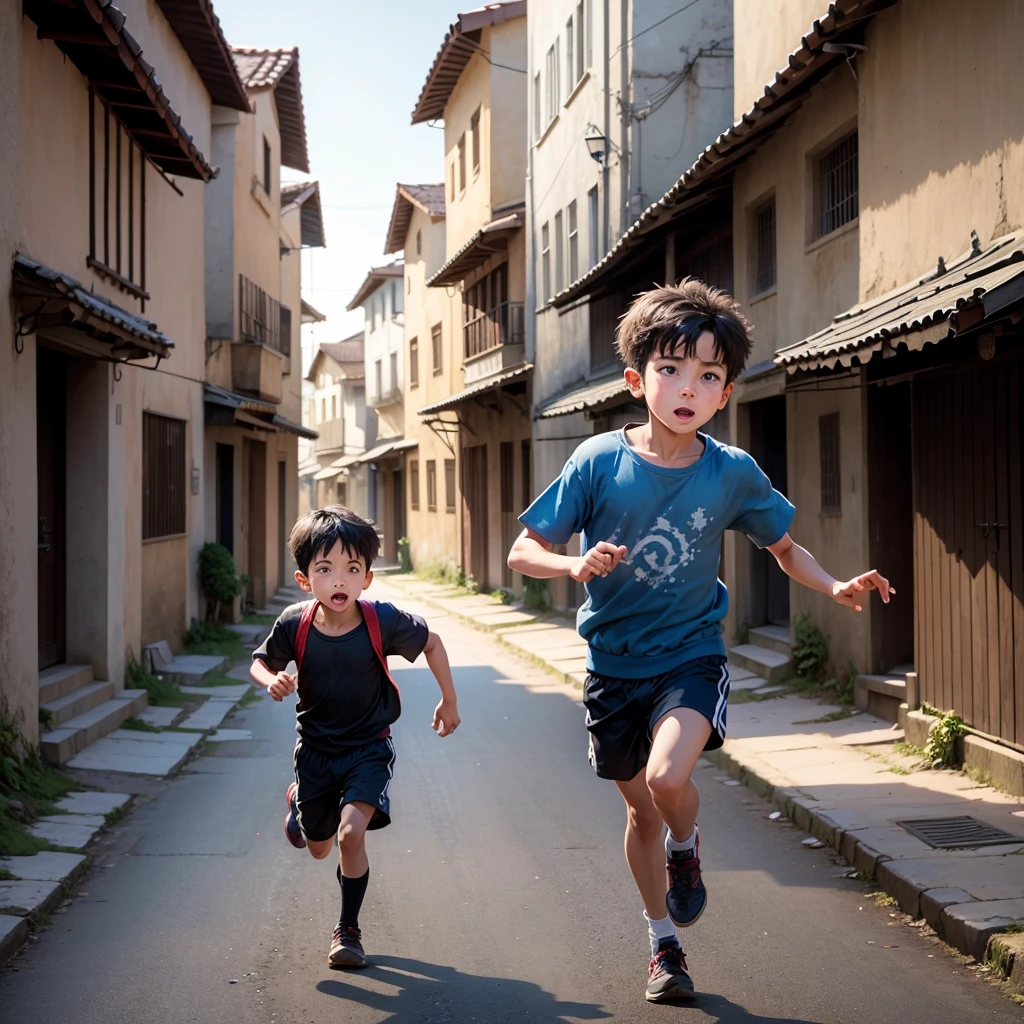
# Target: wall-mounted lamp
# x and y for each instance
(597, 144)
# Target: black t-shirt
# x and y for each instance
(345, 698)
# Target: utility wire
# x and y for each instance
(650, 28)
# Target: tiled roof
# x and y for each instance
(232, 401)
(198, 27)
(805, 67)
(589, 395)
(374, 279)
(307, 195)
(310, 314)
(461, 42)
(517, 373)
(925, 310)
(348, 353)
(428, 198)
(92, 34)
(492, 238)
(279, 70)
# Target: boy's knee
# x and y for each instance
(320, 851)
(667, 786)
(644, 824)
(350, 839)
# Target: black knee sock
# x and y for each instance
(352, 892)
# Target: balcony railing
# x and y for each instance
(260, 318)
(502, 325)
(331, 436)
(386, 396)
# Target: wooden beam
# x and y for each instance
(67, 37)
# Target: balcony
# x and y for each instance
(384, 397)
(493, 341)
(262, 356)
(332, 437)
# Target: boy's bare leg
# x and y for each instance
(355, 819)
(320, 849)
(645, 850)
(679, 739)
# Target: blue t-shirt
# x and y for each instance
(664, 603)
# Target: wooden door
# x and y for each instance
(969, 545)
(282, 526)
(474, 492)
(226, 496)
(256, 521)
(508, 508)
(51, 439)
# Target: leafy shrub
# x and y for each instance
(810, 649)
(218, 580)
(536, 594)
(159, 691)
(203, 632)
(503, 595)
(405, 554)
(846, 688)
(940, 749)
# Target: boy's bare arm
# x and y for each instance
(277, 684)
(531, 555)
(799, 564)
(446, 714)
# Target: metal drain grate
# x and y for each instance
(958, 833)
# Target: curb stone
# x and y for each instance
(1005, 955)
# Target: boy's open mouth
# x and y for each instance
(684, 414)
(339, 600)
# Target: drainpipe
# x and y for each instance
(529, 312)
(624, 109)
(605, 176)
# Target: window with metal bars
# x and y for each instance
(838, 185)
(117, 203)
(449, 485)
(163, 476)
(828, 439)
(764, 235)
(414, 485)
(431, 485)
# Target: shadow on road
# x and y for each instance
(422, 993)
(724, 1011)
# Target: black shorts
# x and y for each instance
(621, 713)
(329, 781)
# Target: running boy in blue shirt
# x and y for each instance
(651, 502)
(344, 756)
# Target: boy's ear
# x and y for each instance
(368, 580)
(303, 582)
(634, 381)
(726, 394)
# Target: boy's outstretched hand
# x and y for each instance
(848, 593)
(284, 684)
(446, 718)
(600, 560)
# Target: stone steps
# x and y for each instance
(881, 695)
(59, 680)
(75, 734)
(770, 665)
(78, 702)
(772, 638)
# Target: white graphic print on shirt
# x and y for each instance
(664, 550)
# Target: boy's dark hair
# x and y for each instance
(668, 321)
(317, 533)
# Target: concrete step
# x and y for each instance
(880, 695)
(77, 702)
(60, 745)
(59, 680)
(773, 638)
(769, 665)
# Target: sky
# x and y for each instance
(362, 66)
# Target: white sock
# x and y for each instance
(659, 930)
(673, 845)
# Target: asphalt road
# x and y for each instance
(499, 894)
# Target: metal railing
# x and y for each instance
(331, 435)
(260, 317)
(502, 325)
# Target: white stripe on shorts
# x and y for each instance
(723, 690)
(391, 770)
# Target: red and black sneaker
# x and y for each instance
(667, 979)
(292, 831)
(347, 948)
(687, 897)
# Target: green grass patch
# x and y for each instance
(159, 691)
(214, 639)
(883, 899)
(1016, 928)
(251, 696)
(138, 725)
(6, 876)
(898, 769)
(258, 620)
(908, 749)
(15, 838)
(832, 716)
(113, 817)
(218, 679)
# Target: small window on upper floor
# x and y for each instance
(462, 163)
(764, 247)
(451, 181)
(837, 181)
(538, 126)
(419, 243)
(266, 165)
(570, 57)
(474, 128)
(414, 362)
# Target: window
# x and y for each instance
(828, 437)
(574, 243)
(545, 263)
(554, 90)
(163, 476)
(589, 19)
(474, 127)
(393, 382)
(431, 485)
(117, 203)
(408, 285)
(537, 124)
(451, 181)
(449, 485)
(377, 381)
(266, 165)
(582, 34)
(489, 320)
(435, 345)
(462, 162)
(559, 254)
(592, 214)
(334, 407)
(837, 186)
(570, 62)
(323, 410)
(419, 243)
(764, 238)
(414, 363)
(388, 309)
(260, 317)
(414, 485)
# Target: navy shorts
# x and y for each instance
(329, 781)
(621, 713)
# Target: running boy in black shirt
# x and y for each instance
(347, 701)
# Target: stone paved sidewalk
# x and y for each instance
(841, 777)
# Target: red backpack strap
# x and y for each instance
(369, 610)
(305, 621)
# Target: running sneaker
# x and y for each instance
(292, 832)
(687, 896)
(346, 948)
(667, 979)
